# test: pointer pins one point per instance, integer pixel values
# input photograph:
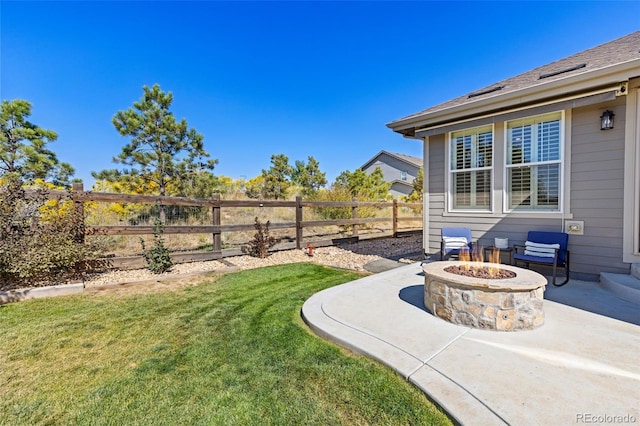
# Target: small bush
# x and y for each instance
(340, 194)
(158, 256)
(262, 241)
(40, 240)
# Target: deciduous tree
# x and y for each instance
(253, 187)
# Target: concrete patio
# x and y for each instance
(581, 366)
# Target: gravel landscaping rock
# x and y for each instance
(349, 256)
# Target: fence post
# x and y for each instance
(217, 235)
(354, 215)
(78, 211)
(298, 222)
(395, 218)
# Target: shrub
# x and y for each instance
(335, 194)
(340, 194)
(40, 240)
(262, 241)
(158, 257)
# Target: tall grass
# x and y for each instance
(230, 351)
(120, 214)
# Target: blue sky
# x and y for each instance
(304, 79)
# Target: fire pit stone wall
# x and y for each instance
(498, 304)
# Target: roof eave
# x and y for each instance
(401, 182)
(391, 154)
(557, 88)
(372, 159)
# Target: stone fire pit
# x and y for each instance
(508, 304)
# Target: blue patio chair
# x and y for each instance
(453, 241)
(545, 248)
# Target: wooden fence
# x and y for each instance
(216, 228)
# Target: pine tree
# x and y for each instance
(23, 150)
(162, 150)
(309, 177)
(418, 185)
(365, 187)
(277, 180)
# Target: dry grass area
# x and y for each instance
(169, 283)
(119, 214)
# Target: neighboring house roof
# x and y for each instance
(414, 161)
(402, 182)
(597, 67)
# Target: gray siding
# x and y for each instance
(392, 169)
(597, 181)
(435, 181)
(596, 196)
(400, 190)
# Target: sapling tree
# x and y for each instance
(262, 240)
(158, 256)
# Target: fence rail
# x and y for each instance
(216, 228)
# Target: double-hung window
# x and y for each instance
(471, 162)
(534, 163)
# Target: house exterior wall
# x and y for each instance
(595, 170)
(631, 214)
(392, 169)
(597, 189)
(400, 190)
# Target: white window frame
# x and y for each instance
(403, 175)
(474, 168)
(535, 162)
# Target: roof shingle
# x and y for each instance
(618, 51)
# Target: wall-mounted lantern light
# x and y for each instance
(606, 120)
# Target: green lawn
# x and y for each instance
(232, 350)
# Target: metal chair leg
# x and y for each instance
(567, 269)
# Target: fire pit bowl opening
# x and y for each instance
(505, 304)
